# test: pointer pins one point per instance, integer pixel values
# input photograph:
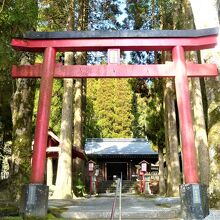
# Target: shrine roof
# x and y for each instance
(118, 146)
(122, 34)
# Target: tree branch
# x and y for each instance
(3, 4)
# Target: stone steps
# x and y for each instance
(110, 186)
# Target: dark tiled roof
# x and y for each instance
(118, 146)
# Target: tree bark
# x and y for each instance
(162, 186)
(167, 173)
(201, 141)
(78, 163)
(22, 110)
(80, 57)
(205, 15)
(172, 142)
(63, 188)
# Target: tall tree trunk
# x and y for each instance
(22, 110)
(80, 57)
(172, 141)
(64, 172)
(205, 15)
(84, 102)
(201, 141)
(162, 186)
(168, 167)
(64, 184)
(78, 163)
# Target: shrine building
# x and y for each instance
(116, 156)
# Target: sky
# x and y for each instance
(122, 8)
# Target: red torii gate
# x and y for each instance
(177, 41)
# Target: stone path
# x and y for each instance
(133, 207)
(214, 215)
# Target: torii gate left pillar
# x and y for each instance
(194, 195)
(36, 204)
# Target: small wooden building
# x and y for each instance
(116, 156)
(53, 151)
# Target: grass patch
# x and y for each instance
(56, 212)
(7, 209)
(49, 216)
(11, 218)
(11, 212)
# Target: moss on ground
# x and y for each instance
(56, 211)
(49, 216)
(12, 218)
(7, 209)
(11, 212)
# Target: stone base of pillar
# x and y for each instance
(194, 201)
(34, 200)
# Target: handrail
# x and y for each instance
(118, 189)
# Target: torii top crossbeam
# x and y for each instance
(116, 40)
(176, 41)
(124, 40)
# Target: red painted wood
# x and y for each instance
(41, 130)
(185, 117)
(124, 44)
(52, 154)
(201, 70)
(110, 71)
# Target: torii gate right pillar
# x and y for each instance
(193, 195)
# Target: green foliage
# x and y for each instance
(79, 186)
(12, 218)
(16, 17)
(8, 209)
(137, 14)
(21, 142)
(15, 13)
(5, 110)
(148, 97)
(53, 15)
(109, 108)
(150, 111)
(103, 14)
(56, 105)
(142, 14)
(91, 128)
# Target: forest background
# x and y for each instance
(112, 108)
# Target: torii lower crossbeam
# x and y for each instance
(115, 71)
